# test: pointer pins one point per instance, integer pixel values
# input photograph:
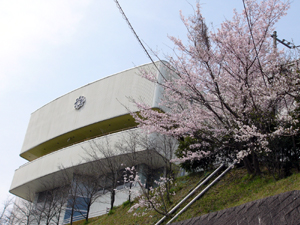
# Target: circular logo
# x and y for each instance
(79, 102)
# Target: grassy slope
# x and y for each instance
(234, 189)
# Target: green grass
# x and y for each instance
(234, 189)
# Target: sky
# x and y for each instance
(49, 48)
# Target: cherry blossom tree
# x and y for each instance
(149, 198)
(230, 89)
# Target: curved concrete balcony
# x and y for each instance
(31, 177)
(106, 110)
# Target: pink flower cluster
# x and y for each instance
(228, 82)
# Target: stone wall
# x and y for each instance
(282, 209)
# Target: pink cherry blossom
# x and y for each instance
(228, 82)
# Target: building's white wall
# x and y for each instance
(65, 158)
(106, 98)
(103, 202)
(164, 74)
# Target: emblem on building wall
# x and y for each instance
(79, 102)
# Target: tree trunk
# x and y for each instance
(247, 164)
(87, 212)
(58, 216)
(71, 219)
(256, 164)
(129, 196)
(112, 199)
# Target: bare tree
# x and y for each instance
(166, 146)
(61, 196)
(153, 150)
(88, 189)
(85, 183)
(24, 210)
(69, 194)
(108, 156)
(6, 215)
(44, 207)
(129, 145)
(107, 160)
(50, 203)
(72, 199)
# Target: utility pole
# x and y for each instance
(274, 36)
(288, 44)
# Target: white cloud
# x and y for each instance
(28, 25)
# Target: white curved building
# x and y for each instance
(59, 133)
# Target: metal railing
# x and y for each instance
(202, 192)
(189, 194)
(193, 191)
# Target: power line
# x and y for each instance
(288, 44)
(135, 34)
